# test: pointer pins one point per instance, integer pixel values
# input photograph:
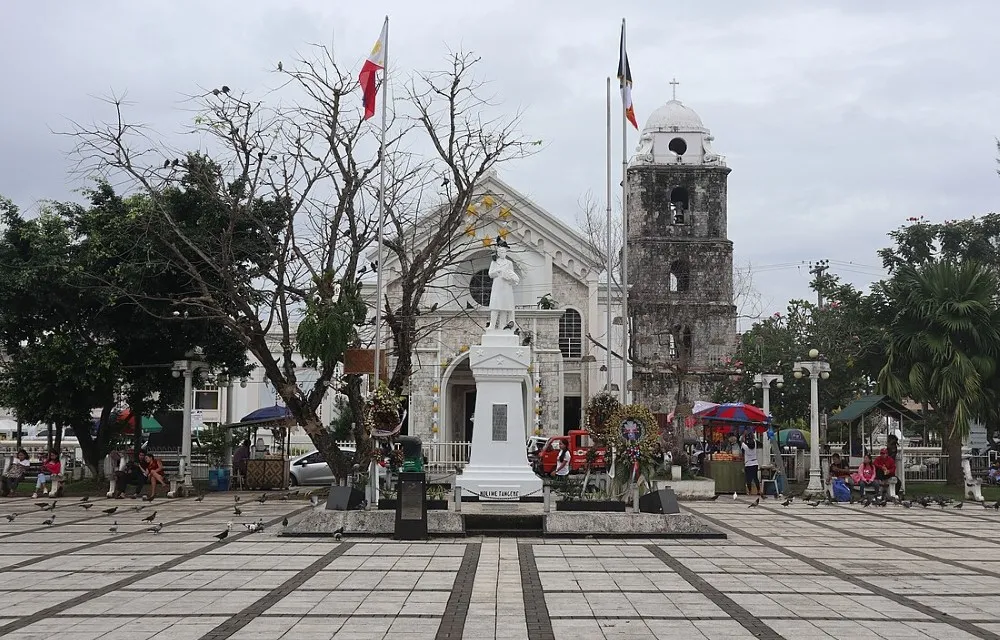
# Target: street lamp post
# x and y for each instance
(816, 367)
(764, 381)
(187, 368)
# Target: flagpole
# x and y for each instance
(607, 223)
(379, 264)
(625, 317)
(381, 207)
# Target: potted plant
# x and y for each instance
(572, 497)
(437, 497)
(387, 499)
(213, 442)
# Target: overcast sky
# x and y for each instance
(839, 120)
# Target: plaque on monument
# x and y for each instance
(411, 508)
(499, 423)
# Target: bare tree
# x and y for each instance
(267, 225)
(434, 217)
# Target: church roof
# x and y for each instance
(533, 225)
(674, 116)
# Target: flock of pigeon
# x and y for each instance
(84, 503)
(881, 501)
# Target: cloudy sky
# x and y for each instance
(839, 120)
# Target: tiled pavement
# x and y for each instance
(797, 572)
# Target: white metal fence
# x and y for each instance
(440, 457)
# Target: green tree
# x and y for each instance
(843, 330)
(944, 345)
(72, 346)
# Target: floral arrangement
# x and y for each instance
(600, 410)
(382, 410)
(634, 431)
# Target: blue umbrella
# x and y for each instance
(277, 412)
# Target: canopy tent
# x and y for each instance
(278, 418)
(798, 438)
(855, 414)
(725, 416)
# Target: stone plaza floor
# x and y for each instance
(797, 572)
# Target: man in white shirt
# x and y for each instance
(750, 466)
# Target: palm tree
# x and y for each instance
(944, 345)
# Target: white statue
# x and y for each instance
(502, 291)
(644, 151)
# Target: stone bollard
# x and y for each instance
(458, 498)
(635, 499)
(546, 498)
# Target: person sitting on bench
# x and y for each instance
(154, 471)
(50, 467)
(14, 472)
(134, 473)
(866, 476)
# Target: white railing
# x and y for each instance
(447, 457)
(440, 457)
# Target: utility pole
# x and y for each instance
(818, 269)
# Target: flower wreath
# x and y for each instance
(635, 432)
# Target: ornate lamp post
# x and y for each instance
(187, 368)
(764, 381)
(815, 367)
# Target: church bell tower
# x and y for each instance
(680, 262)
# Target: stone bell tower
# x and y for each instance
(683, 320)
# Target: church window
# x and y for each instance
(679, 204)
(480, 287)
(571, 334)
(678, 146)
(686, 344)
(680, 276)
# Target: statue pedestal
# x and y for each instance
(498, 466)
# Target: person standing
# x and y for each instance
(14, 472)
(750, 466)
(561, 470)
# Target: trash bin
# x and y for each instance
(218, 479)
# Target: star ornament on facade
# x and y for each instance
(488, 241)
(504, 213)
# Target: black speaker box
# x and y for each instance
(344, 499)
(662, 501)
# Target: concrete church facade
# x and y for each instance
(554, 262)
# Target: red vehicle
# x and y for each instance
(578, 443)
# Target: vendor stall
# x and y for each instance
(268, 467)
(723, 428)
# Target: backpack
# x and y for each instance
(841, 492)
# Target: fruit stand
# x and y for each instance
(720, 422)
(727, 471)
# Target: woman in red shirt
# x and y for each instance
(154, 470)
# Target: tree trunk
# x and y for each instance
(953, 448)
(57, 443)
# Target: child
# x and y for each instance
(865, 475)
(50, 467)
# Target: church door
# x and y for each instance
(470, 413)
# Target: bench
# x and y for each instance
(31, 476)
(171, 475)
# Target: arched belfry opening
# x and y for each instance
(679, 204)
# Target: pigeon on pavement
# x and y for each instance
(110, 511)
(201, 496)
(114, 527)
(814, 503)
(50, 520)
(734, 495)
(284, 521)
(786, 502)
(85, 506)
(11, 516)
(85, 499)
(156, 528)
(237, 511)
(754, 504)
(150, 517)
(222, 536)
